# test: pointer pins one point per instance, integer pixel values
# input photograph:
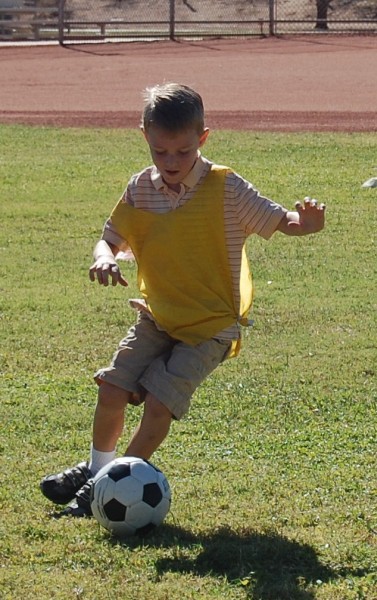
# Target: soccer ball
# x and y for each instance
(130, 496)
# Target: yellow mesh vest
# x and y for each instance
(183, 267)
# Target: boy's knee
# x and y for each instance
(155, 408)
(113, 396)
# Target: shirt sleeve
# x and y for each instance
(109, 232)
(110, 235)
(255, 213)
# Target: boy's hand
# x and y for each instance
(104, 268)
(312, 215)
(309, 218)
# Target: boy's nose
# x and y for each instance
(170, 161)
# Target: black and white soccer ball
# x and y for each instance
(130, 496)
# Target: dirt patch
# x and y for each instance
(256, 121)
(275, 84)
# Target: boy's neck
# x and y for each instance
(175, 187)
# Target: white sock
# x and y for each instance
(99, 459)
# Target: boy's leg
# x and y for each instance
(107, 428)
(152, 429)
(148, 436)
(109, 416)
(143, 343)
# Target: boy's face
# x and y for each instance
(174, 154)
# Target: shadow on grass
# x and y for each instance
(267, 565)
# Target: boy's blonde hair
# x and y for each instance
(173, 107)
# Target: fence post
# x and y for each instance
(172, 19)
(272, 14)
(61, 22)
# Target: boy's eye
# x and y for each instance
(184, 152)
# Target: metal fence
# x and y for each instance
(69, 20)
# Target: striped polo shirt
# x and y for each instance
(246, 212)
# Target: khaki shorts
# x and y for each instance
(148, 359)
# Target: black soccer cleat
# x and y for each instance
(80, 505)
(63, 487)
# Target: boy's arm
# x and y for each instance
(105, 265)
(308, 218)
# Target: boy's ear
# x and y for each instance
(203, 137)
(143, 131)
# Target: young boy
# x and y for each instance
(186, 221)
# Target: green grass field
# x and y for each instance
(273, 473)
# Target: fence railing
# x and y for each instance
(70, 20)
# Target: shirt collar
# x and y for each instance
(191, 178)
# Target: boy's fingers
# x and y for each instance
(123, 281)
(309, 203)
(103, 272)
(114, 274)
(108, 270)
(117, 277)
